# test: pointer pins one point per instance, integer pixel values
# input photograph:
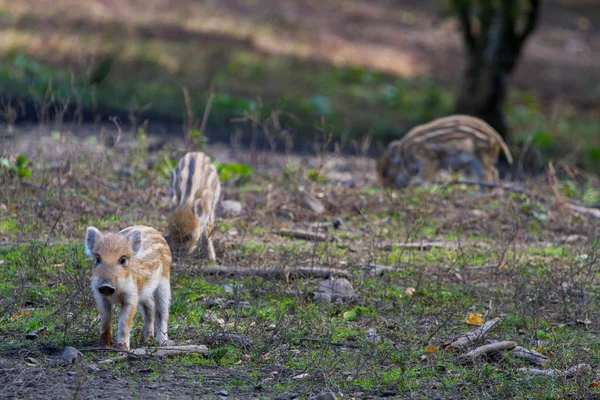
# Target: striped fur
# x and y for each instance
(195, 191)
(132, 268)
(456, 141)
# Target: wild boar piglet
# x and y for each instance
(131, 268)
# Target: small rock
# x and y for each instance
(309, 201)
(231, 208)
(287, 396)
(338, 223)
(372, 335)
(223, 392)
(325, 396)
(71, 373)
(93, 368)
(71, 355)
(334, 289)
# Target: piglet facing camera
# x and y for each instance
(131, 268)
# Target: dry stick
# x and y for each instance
(489, 348)
(312, 236)
(517, 189)
(474, 335)
(275, 273)
(427, 244)
(563, 200)
(103, 182)
(570, 372)
(159, 352)
(36, 332)
(530, 355)
(211, 97)
(339, 344)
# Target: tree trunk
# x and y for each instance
(493, 50)
(482, 94)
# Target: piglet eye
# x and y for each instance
(123, 261)
(97, 260)
(188, 237)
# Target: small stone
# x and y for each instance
(93, 368)
(334, 289)
(325, 396)
(338, 223)
(309, 201)
(231, 208)
(223, 392)
(71, 355)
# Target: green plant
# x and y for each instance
(235, 172)
(18, 167)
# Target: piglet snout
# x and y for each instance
(106, 288)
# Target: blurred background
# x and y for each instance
(362, 72)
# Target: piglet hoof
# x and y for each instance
(122, 346)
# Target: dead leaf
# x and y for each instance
(595, 384)
(431, 349)
(475, 319)
(300, 376)
(25, 312)
(410, 291)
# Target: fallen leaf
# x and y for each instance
(595, 384)
(300, 376)
(431, 349)
(410, 291)
(21, 313)
(474, 319)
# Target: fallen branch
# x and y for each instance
(517, 189)
(490, 348)
(36, 332)
(312, 236)
(103, 182)
(532, 356)
(567, 373)
(474, 335)
(428, 244)
(276, 273)
(158, 352)
(584, 210)
(339, 344)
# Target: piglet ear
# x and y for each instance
(91, 238)
(198, 210)
(136, 241)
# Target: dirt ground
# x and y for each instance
(512, 255)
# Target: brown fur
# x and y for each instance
(129, 262)
(195, 190)
(458, 139)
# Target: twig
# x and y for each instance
(489, 348)
(36, 332)
(104, 182)
(517, 189)
(339, 344)
(570, 372)
(529, 355)
(427, 244)
(115, 121)
(211, 97)
(312, 236)
(275, 273)
(158, 352)
(474, 335)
